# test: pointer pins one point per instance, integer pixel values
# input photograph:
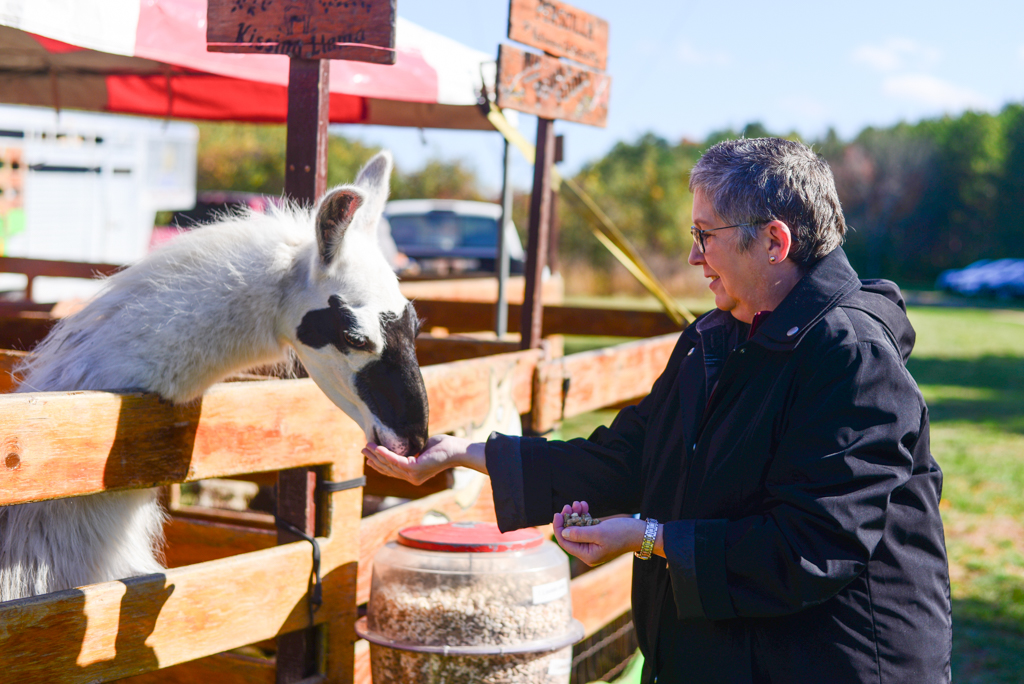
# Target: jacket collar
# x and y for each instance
(825, 284)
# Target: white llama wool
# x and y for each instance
(220, 299)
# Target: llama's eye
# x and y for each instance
(356, 341)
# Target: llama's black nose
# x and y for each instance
(417, 442)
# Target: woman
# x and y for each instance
(780, 464)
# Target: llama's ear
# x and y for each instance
(333, 218)
(375, 178)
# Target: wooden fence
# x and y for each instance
(229, 584)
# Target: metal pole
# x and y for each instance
(502, 260)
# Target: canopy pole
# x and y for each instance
(537, 243)
(502, 258)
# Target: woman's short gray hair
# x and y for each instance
(766, 179)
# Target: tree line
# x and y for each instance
(919, 198)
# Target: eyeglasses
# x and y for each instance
(698, 234)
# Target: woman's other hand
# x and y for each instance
(597, 544)
(442, 452)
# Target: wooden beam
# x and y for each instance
(223, 668)
(190, 541)
(460, 317)
(603, 594)
(537, 242)
(382, 485)
(604, 377)
(362, 669)
(305, 178)
(58, 444)
(117, 629)
(25, 330)
(246, 519)
(579, 383)
(9, 360)
(459, 392)
(432, 350)
(57, 269)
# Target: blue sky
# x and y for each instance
(683, 69)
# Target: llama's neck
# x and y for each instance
(184, 318)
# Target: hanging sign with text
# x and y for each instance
(357, 30)
(550, 88)
(559, 29)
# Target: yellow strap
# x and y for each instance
(604, 230)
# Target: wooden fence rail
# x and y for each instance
(228, 584)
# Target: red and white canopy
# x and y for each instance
(149, 57)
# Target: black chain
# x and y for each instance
(316, 591)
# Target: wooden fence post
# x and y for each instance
(298, 654)
(537, 242)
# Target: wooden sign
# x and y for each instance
(358, 30)
(559, 29)
(551, 89)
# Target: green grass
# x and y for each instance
(969, 363)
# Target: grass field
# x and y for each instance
(969, 363)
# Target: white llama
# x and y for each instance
(218, 300)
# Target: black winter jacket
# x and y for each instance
(800, 500)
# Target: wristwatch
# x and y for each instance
(650, 534)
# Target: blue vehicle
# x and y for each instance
(1000, 278)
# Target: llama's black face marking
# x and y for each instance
(334, 325)
(393, 387)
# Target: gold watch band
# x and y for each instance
(647, 545)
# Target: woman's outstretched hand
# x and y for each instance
(442, 452)
(598, 543)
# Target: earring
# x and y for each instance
(771, 259)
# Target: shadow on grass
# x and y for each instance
(1001, 378)
(991, 372)
(988, 648)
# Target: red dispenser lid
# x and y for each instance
(468, 537)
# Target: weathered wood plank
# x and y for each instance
(68, 443)
(362, 668)
(223, 668)
(117, 629)
(197, 541)
(8, 361)
(603, 594)
(56, 269)
(382, 485)
(247, 519)
(432, 350)
(360, 30)
(560, 29)
(58, 444)
(604, 377)
(579, 383)
(25, 330)
(550, 88)
(558, 320)
(459, 392)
